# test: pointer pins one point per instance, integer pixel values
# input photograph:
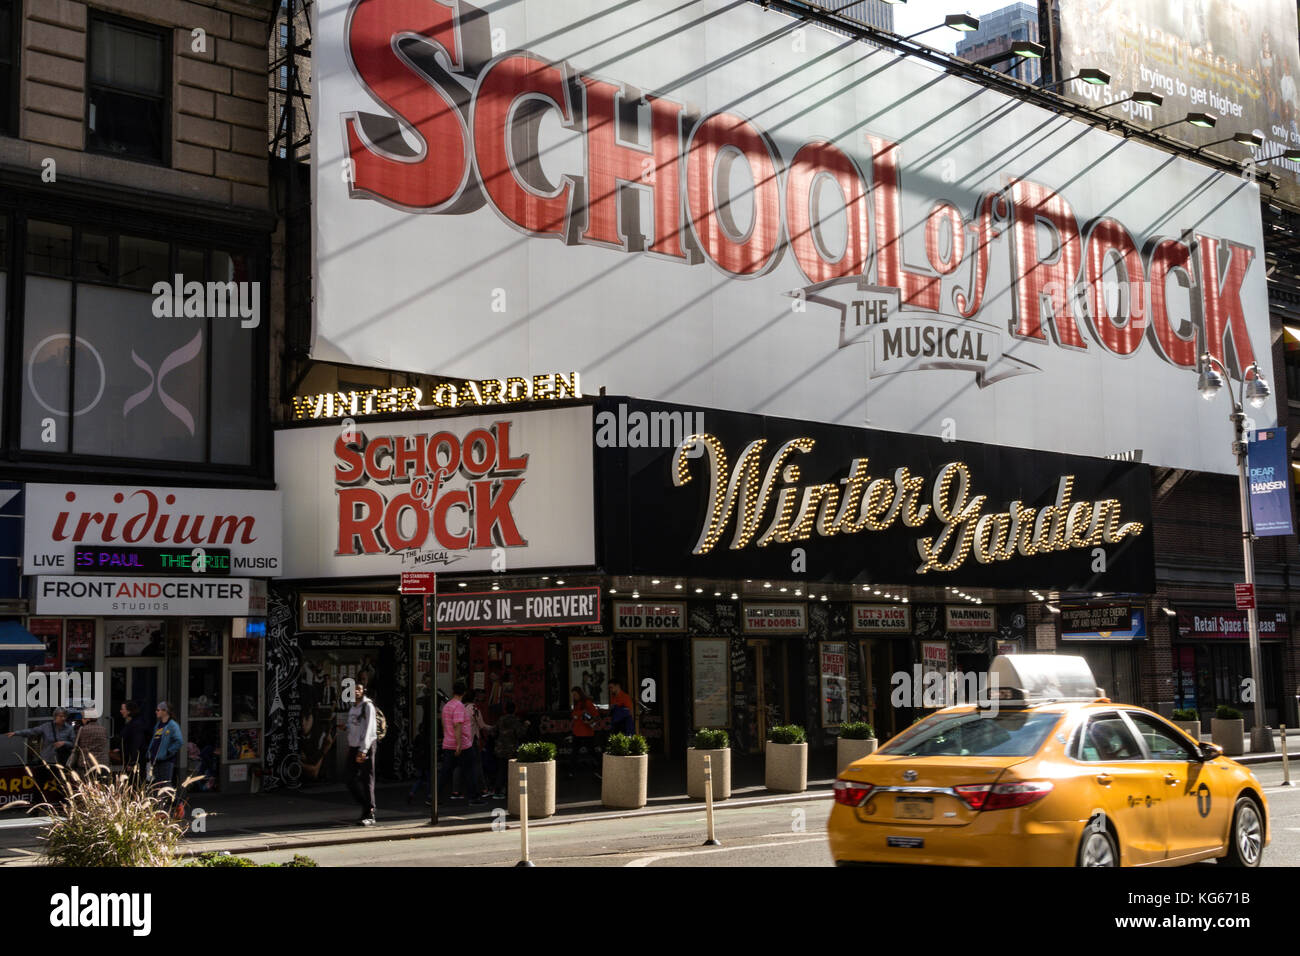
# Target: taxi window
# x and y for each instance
(1161, 741)
(1014, 734)
(1108, 738)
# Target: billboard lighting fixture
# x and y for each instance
(1088, 74)
(1141, 97)
(961, 22)
(1243, 138)
(1203, 120)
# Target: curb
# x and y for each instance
(419, 831)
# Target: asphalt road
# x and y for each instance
(785, 835)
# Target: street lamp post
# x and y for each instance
(1255, 391)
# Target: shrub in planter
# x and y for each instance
(716, 745)
(787, 759)
(624, 772)
(787, 734)
(537, 752)
(622, 745)
(706, 739)
(1186, 713)
(1228, 730)
(540, 758)
(857, 739)
(227, 859)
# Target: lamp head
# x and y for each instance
(1257, 390)
(1028, 49)
(1208, 382)
(1248, 139)
(1148, 99)
(1094, 77)
(962, 22)
(1203, 120)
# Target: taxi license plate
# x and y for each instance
(914, 808)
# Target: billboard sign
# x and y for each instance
(1236, 60)
(541, 185)
(440, 493)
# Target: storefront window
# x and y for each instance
(205, 690)
(128, 638)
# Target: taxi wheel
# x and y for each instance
(1098, 849)
(1246, 845)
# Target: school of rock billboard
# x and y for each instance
(500, 492)
(856, 239)
(1237, 60)
(757, 497)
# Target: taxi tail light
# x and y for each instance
(1003, 796)
(851, 793)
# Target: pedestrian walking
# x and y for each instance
(472, 768)
(584, 717)
(164, 746)
(134, 742)
(510, 731)
(90, 750)
(621, 718)
(453, 723)
(363, 737)
(56, 737)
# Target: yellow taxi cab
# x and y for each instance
(1047, 772)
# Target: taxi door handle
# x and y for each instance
(1171, 780)
(1104, 779)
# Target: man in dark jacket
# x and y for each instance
(136, 733)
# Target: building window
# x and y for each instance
(8, 67)
(128, 105)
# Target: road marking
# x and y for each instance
(647, 860)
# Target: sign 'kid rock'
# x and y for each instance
(499, 493)
(855, 237)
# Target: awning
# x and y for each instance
(20, 646)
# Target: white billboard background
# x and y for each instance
(469, 295)
(553, 509)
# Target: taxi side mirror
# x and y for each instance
(1209, 751)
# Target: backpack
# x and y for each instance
(381, 723)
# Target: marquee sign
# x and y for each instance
(756, 497)
(776, 618)
(438, 493)
(490, 181)
(882, 619)
(644, 617)
(239, 531)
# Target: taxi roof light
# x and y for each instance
(1039, 678)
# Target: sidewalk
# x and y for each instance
(246, 823)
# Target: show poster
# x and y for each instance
(834, 683)
(79, 640)
(934, 672)
(131, 638)
(709, 669)
(49, 630)
(1268, 468)
(512, 669)
(589, 668)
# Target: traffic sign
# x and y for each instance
(1245, 596)
(419, 582)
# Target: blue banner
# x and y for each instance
(1267, 464)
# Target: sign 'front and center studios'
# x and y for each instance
(547, 607)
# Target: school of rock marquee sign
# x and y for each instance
(468, 493)
(605, 187)
(762, 497)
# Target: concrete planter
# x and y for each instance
(847, 751)
(623, 781)
(541, 789)
(721, 767)
(1230, 735)
(787, 767)
(1193, 727)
